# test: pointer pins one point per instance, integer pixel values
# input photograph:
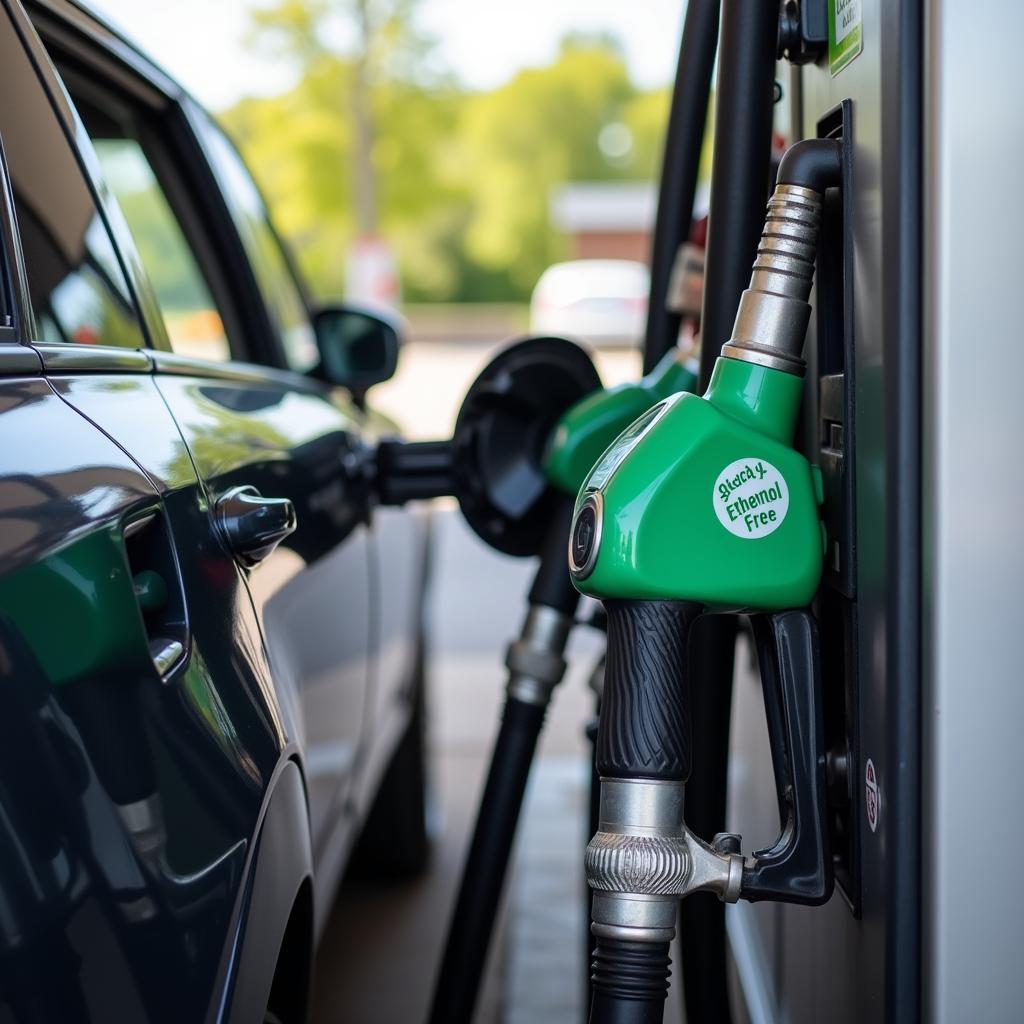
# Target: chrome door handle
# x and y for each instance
(252, 525)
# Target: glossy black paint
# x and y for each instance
(150, 786)
(296, 445)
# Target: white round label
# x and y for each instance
(751, 498)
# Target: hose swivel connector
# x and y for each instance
(643, 859)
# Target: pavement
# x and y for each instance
(383, 943)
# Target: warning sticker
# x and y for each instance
(845, 33)
(871, 794)
(751, 498)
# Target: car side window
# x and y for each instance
(270, 264)
(124, 147)
(194, 324)
(78, 288)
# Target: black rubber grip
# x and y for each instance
(552, 586)
(645, 720)
(629, 981)
(483, 876)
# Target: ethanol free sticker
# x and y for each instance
(751, 498)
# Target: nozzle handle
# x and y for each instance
(644, 730)
(798, 867)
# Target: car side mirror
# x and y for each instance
(357, 348)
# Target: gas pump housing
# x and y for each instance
(916, 300)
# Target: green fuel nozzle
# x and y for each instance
(703, 505)
(703, 498)
(585, 431)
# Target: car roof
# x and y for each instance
(79, 16)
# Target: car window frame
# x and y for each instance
(64, 32)
(139, 293)
(17, 320)
(201, 124)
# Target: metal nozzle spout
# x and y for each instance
(773, 312)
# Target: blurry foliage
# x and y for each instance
(462, 179)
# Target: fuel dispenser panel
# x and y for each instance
(834, 451)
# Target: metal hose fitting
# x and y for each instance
(773, 312)
(644, 858)
(536, 661)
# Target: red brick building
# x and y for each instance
(606, 220)
(610, 219)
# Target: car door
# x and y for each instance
(398, 539)
(275, 432)
(139, 736)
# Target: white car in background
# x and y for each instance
(601, 302)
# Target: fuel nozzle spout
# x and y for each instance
(773, 312)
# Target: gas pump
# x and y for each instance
(702, 506)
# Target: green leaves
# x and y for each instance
(462, 179)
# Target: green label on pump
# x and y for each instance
(751, 498)
(845, 33)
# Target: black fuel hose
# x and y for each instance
(629, 981)
(484, 875)
(812, 163)
(740, 181)
(680, 166)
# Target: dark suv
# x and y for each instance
(210, 642)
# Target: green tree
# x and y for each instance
(385, 47)
(462, 180)
(300, 147)
(543, 128)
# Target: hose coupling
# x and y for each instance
(536, 661)
(643, 859)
